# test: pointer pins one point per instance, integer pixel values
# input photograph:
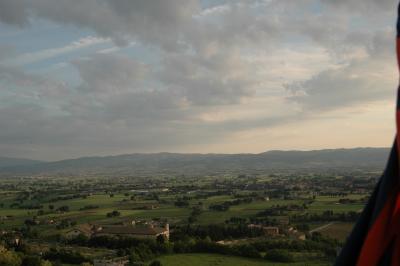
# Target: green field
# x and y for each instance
(323, 203)
(338, 231)
(131, 209)
(222, 260)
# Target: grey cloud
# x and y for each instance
(219, 79)
(334, 89)
(357, 81)
(110, 73)
(363, 5)
(6, 51)
(123, 105)
(382, 45)
(150, 21)
(82, 123)
(22, 85)
(171, 24)
(14, 12)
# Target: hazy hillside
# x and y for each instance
(194, 164)
(10, 162)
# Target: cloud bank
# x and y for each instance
(194, 75)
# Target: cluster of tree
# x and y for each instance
(31, 222)
(278, 193)
(138, 250)
(63, 208)
(315, 242)
(152, 196)
(65, 223)
(347, 201)
(194, 214)
(247, 195)
(113, 214)
(11, 258)
(64, 256)
(68, 197)
(236, 220)
(227, 204)
(278, 252)
(333, 194)
(32, 206)
(215, 232)
(326, 216)
(277, 210)
(266, 220)
(89, 207)
(28, 232)
(279, 255)
(207, 194)
(181, 203)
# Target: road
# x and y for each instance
(321, 227)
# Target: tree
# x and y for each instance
(63, 208)
(113, 214)
(9, 258)
(30, 222)
(46, 263)
(279, 255)
(32, 261)
(161, 239)
(155, 263)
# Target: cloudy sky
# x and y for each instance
(102, 77)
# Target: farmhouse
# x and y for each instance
(83, 229)
(293, 233)
(271, 230)
(268, 230)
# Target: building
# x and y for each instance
(293, 233)
(84, 229)
(268, 230)
(271, 230)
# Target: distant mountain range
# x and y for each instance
(12, 162)
(198, 164)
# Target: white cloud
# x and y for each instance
(33, 57)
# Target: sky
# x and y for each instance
(104, 77)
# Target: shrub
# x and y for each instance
(279, 255)
(8, 257)
(155, 263)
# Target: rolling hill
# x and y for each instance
(195, 164)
